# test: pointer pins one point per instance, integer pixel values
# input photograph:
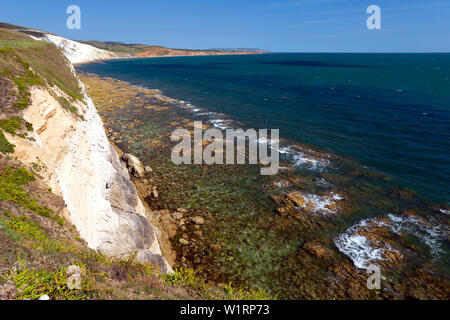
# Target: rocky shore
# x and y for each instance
(288, 233)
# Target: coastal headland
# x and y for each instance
(86, 179)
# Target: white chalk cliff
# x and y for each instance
(83, 167)
(77, 52)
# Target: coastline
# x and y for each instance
(167, 56)
(203, 237)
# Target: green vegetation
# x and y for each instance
(27, 62)
(65, 103)
(129, 269)
(188, 277)
(5, 146)
(4, 226)
(123, 47)
(183, 276)
(12, 183)
(23, 84)
(126, 48)
(33, 283)
(11, 125)
(6, 50)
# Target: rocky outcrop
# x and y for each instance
(296, 203)
(134, 165)
(82, 166)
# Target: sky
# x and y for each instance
(277, 26)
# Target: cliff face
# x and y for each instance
(77, 52)
(79, 164)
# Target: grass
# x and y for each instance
(124, 47)
(33, 283)
(5, 227)
(23, 83)
(5, 146)
(183, 276)
(12, 182)
(6, 50)
(128, 268)
(27, 62)
(11, 125)
(188, 278)
(66, 104)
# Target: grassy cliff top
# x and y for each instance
(120, 47)
(28, 62)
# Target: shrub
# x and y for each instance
(182, 277)
(5, 146)
(11, 125)
(7, 51)
(128, 268)
(11, 189)
(33, 283)
(65, 103)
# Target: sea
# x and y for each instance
(384, 116)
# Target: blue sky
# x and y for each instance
(281, 26)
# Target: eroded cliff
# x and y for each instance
(68, 141)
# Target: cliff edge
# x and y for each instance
(65, 137)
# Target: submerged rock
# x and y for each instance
(177, 215)
(183, 241)
(292, 202)
(318, 250)
(297, 198)
(197, 220)
(371, 241)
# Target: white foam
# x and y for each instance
(219, 123)
(363, 253)
(337, 197)
(301, 159)
(321, 204)
(359, 249)
(322, 182)
(281, 184)
(431, 235)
